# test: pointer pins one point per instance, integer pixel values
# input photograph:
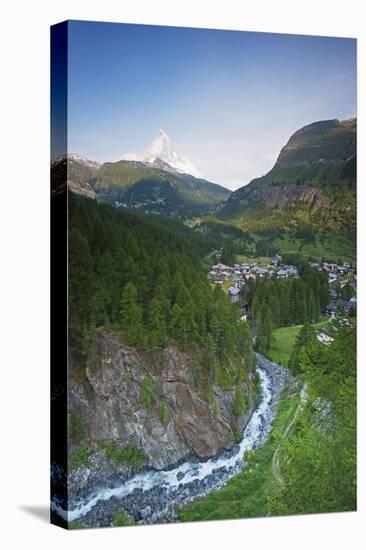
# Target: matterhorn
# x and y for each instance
(162, 155)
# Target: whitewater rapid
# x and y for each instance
(175, 480)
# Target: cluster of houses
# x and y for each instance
(334, 271)
(339, 276)
(337, 306)
(240, 273)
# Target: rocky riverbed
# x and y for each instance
(152, 496)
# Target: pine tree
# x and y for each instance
(131, 316)
(304, 339)
(157, 323)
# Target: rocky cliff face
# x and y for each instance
(328, 141)
(153, 405)
(279, 196)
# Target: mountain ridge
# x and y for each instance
(151, 187)
(312, 183)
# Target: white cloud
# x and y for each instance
(130, 156)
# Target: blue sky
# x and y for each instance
(228, 100)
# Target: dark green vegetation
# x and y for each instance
(131, 456)
(248, 493)
(143, 187)
(122, 519)
(79, 457)
(142, 278)
(134, 273)
(318, 462)
(233, 240)
(153, 190)
(277, 303)
(307, 202)
(316, 444)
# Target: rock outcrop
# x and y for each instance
(173, 421)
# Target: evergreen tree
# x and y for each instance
(318, 462)
(304, 339)
(131, 316)
(157, 323)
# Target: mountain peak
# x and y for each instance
(161, 152)
(73, 157)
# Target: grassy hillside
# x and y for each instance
(252, 246)
(146, 188)
(308, 199)
(284, 340)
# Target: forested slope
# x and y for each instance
(157, 356)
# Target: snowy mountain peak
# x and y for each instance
(95, 164)
(162, 154)
(70, 157)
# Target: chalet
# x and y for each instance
(212, 275)
(234, 294)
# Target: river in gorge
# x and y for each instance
(151, 496)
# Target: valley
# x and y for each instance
(195, 318)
